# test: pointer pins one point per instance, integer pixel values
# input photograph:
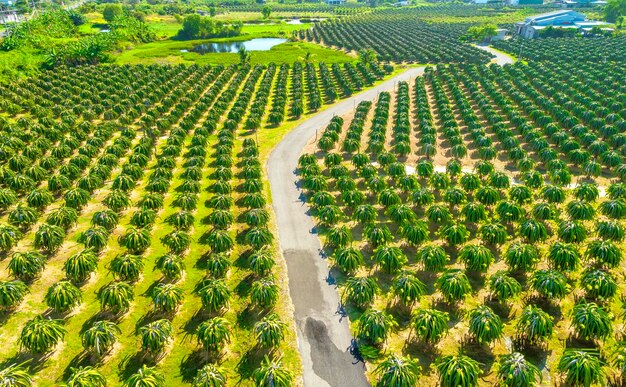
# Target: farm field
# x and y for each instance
(398, 35)
(135, 228)
(475, 212)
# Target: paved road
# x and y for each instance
(501, 58)
(324, 337)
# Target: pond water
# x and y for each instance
(259, 44)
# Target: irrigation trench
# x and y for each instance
(324, 338)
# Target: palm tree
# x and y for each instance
(145, 377)
(514, 370)
(504, 287)
(264, 292)
(78, 267)
(49, 238)
(390, 258)
(374, 326)
(155, 336)
(581, 367)
(408, 288)
(430, 325)
(116, 297)
(348, 259)
(27, 265)
(256, 217)
(214, 294)
(397, 371)
(40, 335)
(100, 337)
(258, 237)
(361, 290)
(11, 294)
(476, 257)
(272, 373)
(85, 377)
(209, 376)
(63, 296)
(270, 331)
(433, 257)
(176, 241)
(457, 371)
(591, 321)
(534, 326)
(484, 325)
(15, 376)
(214, 333)
(167, 297)
(127, 267)
(453, 285)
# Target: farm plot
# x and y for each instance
(399, 36)
(136, 237)
(468, 241)
(597, 49)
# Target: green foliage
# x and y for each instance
(116, 297)
(100, 337)
(203, 27)
(361, 290)
(214, 333)
(484, 325)
(41, 335)
(145, 377)
(397, 371)
(514, 370)
(155, 336)
(550, 284)
(581, 367)
(374, 326)
(11, 294)
(430, 325)
(272, 373)
(63, 296)
(79, 266)
(457, 371)
(270, 331)
(503, 286)
(453, 285)
(210, 376)
(534, 326)
(85, 377)
(14, 375)
(591, 321)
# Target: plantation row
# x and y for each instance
(567, 50)
(70, 95)
(480, 267)
(398, 36)
(149, 255)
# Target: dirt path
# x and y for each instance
(501, 58)
(324, 337)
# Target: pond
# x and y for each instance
(259, 44)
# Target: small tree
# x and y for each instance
(266, 11)
(514, 370)
(457, 371)
(15, 376)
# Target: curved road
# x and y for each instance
(323, 331)
(324, 337)
(501, 58)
